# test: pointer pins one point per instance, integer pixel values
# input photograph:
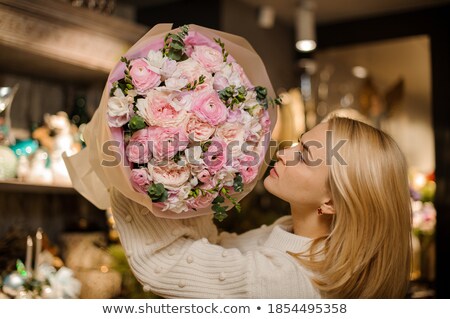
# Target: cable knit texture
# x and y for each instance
(187, 258)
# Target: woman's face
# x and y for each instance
(300, 175)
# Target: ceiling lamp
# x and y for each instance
(266, 18)
(305, 26)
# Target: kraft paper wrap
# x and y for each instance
(92, 179)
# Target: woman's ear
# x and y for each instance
(328, 208)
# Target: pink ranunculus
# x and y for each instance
(171, 175)
(248, 168)
(140, 179)
(157, 110)
(167, 141)
(138, 150)
(201, 201)
(216, 156)
(210, 59)
(191, 70)
(208, 107)
(143, 77)
(198, 130)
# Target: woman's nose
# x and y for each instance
(281, 155)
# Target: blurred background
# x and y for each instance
(385, 62)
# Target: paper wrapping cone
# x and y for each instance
(95, 169)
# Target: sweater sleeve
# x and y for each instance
(178, 258)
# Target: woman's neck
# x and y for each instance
(309, 224)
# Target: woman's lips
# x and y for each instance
(273, 172)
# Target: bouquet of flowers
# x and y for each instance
(184, 122)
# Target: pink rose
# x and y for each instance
(140, 179)
(209, 58)
(197, 130)
(201, 201)
(138, 150)
(157, 110)
(209, 108)
(167, 141)
(204, 176)
(171, 175)
(142, 76)
(216, 156)
(248, 168)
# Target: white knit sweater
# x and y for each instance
(189, 259)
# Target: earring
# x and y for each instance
(319, 211)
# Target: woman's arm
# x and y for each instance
(178, 259)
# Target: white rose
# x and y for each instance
(118, 104)
(176, 201)
(225, 176)
(176, 83)
(191, 70)
(155, 59)
(180, 101)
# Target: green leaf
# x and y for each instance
(158, 193)
(174, 55)
(205, 146)
(261, 92)
(238, 186)
(220, 213)
(136, 123)
(177, 45)
(219, 199)
(220, 216)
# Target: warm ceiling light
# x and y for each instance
(266, 18)
(360, 72)
(305, 26)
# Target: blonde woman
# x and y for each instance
(348, 234)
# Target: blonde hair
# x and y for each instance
(367, 253)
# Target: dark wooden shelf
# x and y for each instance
(23, 187)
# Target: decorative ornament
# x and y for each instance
(8, 163)
(13, 284)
